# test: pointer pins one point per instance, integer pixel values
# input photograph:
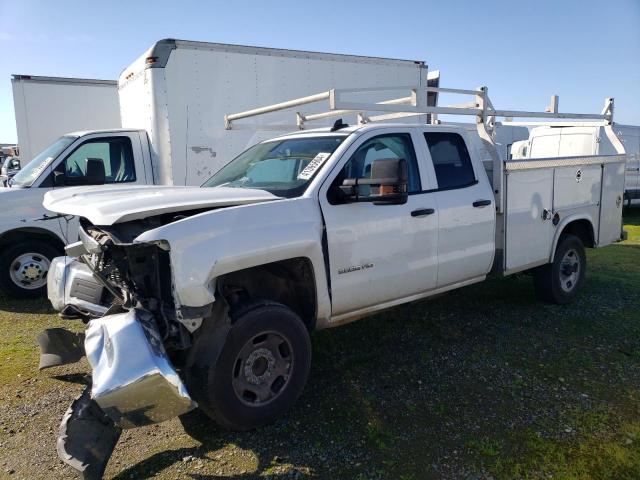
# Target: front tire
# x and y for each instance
(560, 281)
(261, 370)
(24, 266)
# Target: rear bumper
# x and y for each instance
(71, 283)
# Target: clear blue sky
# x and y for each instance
(524, 51)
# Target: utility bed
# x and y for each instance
(543, 195)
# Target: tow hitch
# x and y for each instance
(134, 384)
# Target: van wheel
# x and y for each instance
(24, 267)
(559, 282)
(261, 370)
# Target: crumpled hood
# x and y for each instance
(106, 205)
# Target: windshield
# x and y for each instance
(33, 169)
(282, 167)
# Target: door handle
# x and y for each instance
(422, 212)
(481, 203)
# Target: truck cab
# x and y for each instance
(30, 235)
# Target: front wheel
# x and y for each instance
(261, 370)
(24, 266)
(560, 281)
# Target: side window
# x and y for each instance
(394, 145)
(451, 160)
(116, 154)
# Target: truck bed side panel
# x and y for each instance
(569, 188)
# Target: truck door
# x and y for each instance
(466, 211)
(379, 253)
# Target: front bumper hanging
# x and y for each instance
(134, 384)
(133, 379)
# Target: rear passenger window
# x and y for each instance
(451, 160)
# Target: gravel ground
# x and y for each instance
(484, 382)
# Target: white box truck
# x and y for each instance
(207, 295)
(546, 141)
(48, 107)
(172, 102)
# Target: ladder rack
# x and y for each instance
(415, 103)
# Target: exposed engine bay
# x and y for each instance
(138, 275)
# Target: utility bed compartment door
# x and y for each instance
(528, 232)
(611, 203)
(575, 187)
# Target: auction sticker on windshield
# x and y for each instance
(314, 165)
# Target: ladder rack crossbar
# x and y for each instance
(416, 104)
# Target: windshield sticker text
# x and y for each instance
(314, 165)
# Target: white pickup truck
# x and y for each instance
(207, 295)
(169, 98)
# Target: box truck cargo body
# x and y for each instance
(179, 92)
(48, 107)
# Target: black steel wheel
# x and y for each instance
(560, 281)
(260, 372)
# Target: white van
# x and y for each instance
(547, 142)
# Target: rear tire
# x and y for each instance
(24, 266)
(560, 281)
(261, 370)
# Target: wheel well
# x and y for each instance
(22, 234)
(583, 230)
(290, 282)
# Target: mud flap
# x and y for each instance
(87, 437)
(59, 346)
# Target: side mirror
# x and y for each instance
(94, 175)
(387, 185)
(59, 179)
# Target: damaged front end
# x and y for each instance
(134, 384)
(133, 341)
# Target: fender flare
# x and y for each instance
(560, 228)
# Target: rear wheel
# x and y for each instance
(560, 281)
(24, 266)
(261, 370)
